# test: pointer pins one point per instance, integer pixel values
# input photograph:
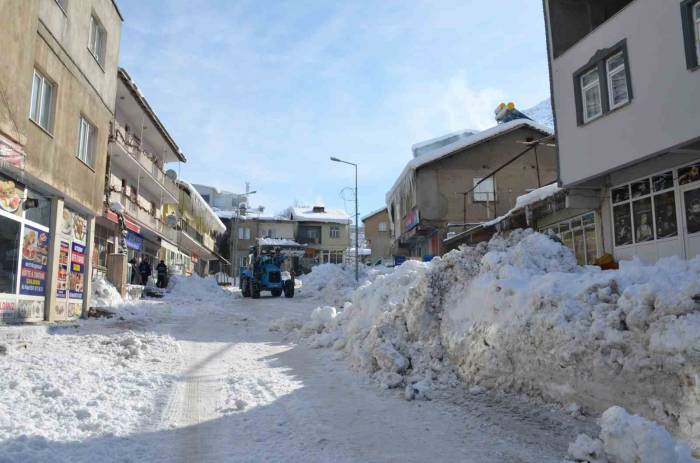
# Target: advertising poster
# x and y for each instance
(62, 280)
(77, 272)
(35, 252)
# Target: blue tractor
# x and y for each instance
(264, 269)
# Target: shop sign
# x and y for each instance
(62, 277)
(133, 240)
(8, 309)
(11, 194)
(11, 154)
(35, 251)
(77, 271)
(411, 220)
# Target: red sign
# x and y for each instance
(11, 154)
(111, 215)
(195, 259)
(411, 220)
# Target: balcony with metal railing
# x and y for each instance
(130, 155)
(142, 216)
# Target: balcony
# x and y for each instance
(130, 156)
(143, 217)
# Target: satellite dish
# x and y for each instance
(171, 174)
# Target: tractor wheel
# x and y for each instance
(289, 288)
(245, 289)
(254, 289)
(276, 292)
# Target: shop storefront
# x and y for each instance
(657, 215)
(24, 251)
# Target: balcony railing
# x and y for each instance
(142, 216)
(131, 145)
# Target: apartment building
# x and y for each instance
(377, 234)
(625, 83)
(198, 227)
(58, 80)
(473, 178)
(132, 226)
(325, 232)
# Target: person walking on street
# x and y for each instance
(162, 271)
(134, 272)
(145, 271)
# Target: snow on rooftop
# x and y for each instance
(277, 242)
(541, 113)
(428, 146)
(314, 214)
(528, 199)
(464, 143)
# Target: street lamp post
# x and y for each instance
(357, 226)
(236, 224)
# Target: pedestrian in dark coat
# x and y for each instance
(162, 271)
(145, 271)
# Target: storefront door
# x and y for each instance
(690, 197)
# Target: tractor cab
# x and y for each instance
(265, 269)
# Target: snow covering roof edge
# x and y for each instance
(218, 225)
(476, 139)
(373, 213)
(134, 89)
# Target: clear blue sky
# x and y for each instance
(266, 91)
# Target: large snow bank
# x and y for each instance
(517, 314)
(626, 438)
(334, 284)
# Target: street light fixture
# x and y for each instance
(236, 224)
(357, 218)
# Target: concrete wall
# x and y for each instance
(41, 35)
(660, 82)
(439, 184)
(379, 241)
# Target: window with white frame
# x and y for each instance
(243, 233)
(644, 210)
(87, 141)
(591, 95)
(603, 84)
(383, 226)
(579, 235)
(617, 81)
(335, 231)
(43, 101)
(484, 191)
(98, 40)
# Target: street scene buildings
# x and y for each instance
(527, 290)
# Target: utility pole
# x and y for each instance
(357, 219)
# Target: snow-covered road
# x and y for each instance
(240, 392)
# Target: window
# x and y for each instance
(98, 40)
(579, 235)
(644, 210)
(336, 257)
(603, 84)
(335, 231)
(486, 190)
(243, 233)
(87, 139)
(42, 104)
(690, 16)
(590, 93)
(617, 81)
(9, 252)
(383, 226)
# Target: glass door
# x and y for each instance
(691, 219)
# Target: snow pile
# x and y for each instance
(334, 284)
(71, 387)
(518, 315)
(104, 294)
(626, 438)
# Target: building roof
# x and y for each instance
(143, 103)
(307, 214)
(201, 207)
(465, 143)
(373, 213)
